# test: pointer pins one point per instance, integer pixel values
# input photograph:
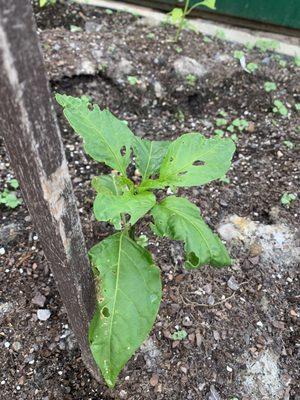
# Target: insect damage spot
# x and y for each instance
(198, 162)
(105, 312)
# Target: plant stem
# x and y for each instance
(180, 27)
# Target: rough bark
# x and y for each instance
(33, 141)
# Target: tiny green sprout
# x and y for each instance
(230, 128)
(191, 79)
(179, 335)
(223, 113)
(241, 124)
(297, 61)
(238, 54)
(109, 11)
(280, 108)
(178, 49)
(75, 28)
(219, 132)
(142, 240)
(207, 39)
(282, 63)
(221, 122)
(13, 183)
(180, 116)
(288, 144)
(133, 80)
(267, 45)
(150, 36)
(130, 293)
(288, 198)
(249, 46)
(297, 106)
(9, 198)
(220, 34)
(251, 67)
(270, 86)
(43, 3)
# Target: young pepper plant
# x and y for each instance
(178, 15)
(129, 286)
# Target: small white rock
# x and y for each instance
(229, 369)
(2, 251)
(6, 344)
(43, 314)
(260, 324)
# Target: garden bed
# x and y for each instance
(241, 322)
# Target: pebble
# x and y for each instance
(232, 283)
(229, 369)
(211, 300)
(6, 345)
(2, 251)
(16, 346)
(39, 299)
(43, 314)
(154, 380)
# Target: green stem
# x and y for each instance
(180, 27)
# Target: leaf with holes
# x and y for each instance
(179, 219)
(193, 160)
(129, 298)
(110, 207)
(149, 155)
(106, 138)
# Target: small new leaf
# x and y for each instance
(111, 207)
(179, 219)
(128, 300)
(106, 138)
(149, 155)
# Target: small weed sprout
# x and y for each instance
(133, 80)
(287, 198)
(191, 79)
(270, 86)
(280, 108)
(129, 288)
(8, 197)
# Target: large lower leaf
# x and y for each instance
(193, 160)
(106, 138)
(179, 219)
(109, 207)
(128, 302)
(149, 155)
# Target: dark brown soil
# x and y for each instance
(224, 337)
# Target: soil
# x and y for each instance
(228, 330)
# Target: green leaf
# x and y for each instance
(109, 207)
(9, 199)
(209, 3)
(106, 138)
(128, 301)
(149, 155)
(270, 86)
(193, 160)
(179, 219)
(179, 335)
(176, 15)
(13, 183)
(109, 184)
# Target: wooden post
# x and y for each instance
(33, 141)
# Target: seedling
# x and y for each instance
(44, 3)
(8, 197)
(238, 54)
(251, 67)
(220, 34)
(241, 124)
(270, 86)
(287, 198)
(179, 335)
(108, 11)
(150, 36)
(297, 106)
(267, 45)
(133, 80)
(288, 144)
(219, 132)
(128, 283)
(297, 61)
(207, 39)
(178, 15)
(191, 79)
(221, 122)
(280, 108)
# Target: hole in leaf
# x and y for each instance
(198, 162)
(171, 159)
(182, 173)
(105, 312)
(123, 150)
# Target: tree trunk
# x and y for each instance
(33, 141)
